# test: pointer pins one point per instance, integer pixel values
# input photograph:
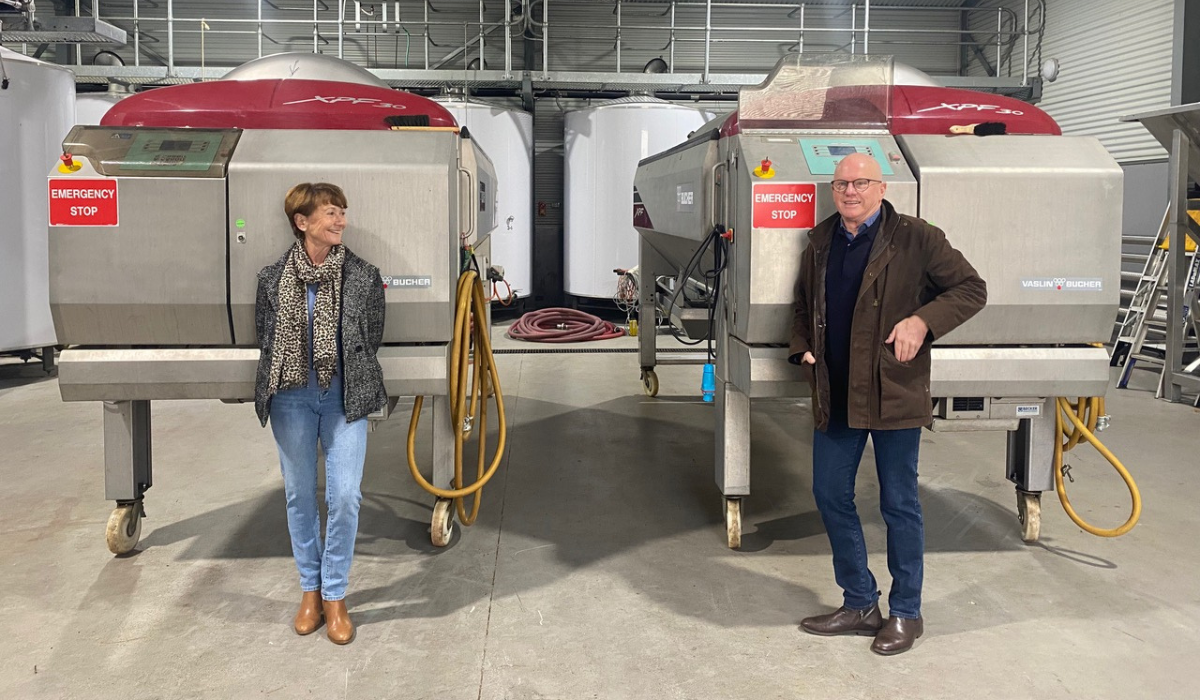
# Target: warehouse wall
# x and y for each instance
(1113, 63)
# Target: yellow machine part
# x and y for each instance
(469, 393)
(1080, 425)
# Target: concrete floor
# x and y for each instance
(598, 568)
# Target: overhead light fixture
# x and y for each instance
(107, 58)
(655, 65)
(1050, 69)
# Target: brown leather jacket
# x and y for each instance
(912, 269)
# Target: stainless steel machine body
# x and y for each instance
(1039, 217)
(160, 303)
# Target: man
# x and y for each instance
(875, 289)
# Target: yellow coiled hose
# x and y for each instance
(1080, 425)
(470, 331)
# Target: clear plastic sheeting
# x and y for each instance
(821, 92)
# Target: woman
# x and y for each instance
(319, 317)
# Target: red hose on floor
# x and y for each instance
(562, 326)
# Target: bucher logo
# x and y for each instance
(1076, 284)
(406, 281)
(369, 101)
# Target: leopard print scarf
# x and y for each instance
(289, 354)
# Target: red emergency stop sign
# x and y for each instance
(83, 202)
(784, 205)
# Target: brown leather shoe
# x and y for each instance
(337, 622)
(897, 636)
(845, 621)
(308, 617)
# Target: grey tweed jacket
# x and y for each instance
(361, 331)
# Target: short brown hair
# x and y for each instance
(304, 199)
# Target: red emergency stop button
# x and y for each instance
(68, 164)
(764, 169)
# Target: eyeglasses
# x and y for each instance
(860, 184)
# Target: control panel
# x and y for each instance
(140, 152)
(823, 154)
(171, 152)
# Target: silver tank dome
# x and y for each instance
(304, 66)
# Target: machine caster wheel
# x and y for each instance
(1029, 514)
(650, 382)
(733, 522)
(442, 526)
(124, 528)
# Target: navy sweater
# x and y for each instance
(847, 261)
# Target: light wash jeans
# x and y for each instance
(299, 418)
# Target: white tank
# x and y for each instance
(90, 107)
(904, 74)
(603, 145)
(37, 110)
(506, 135)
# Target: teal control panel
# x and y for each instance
(823, 154)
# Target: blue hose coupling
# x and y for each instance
(708, 383)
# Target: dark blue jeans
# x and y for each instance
(836, 455)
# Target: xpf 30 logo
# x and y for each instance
(963, 106)
(369, 101)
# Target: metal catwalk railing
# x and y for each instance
(334, 24)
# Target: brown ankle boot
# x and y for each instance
(897, 636)
(308, 617)
(337, 622)
(845, 621)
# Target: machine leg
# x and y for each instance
(647, 316)
(733, 455)
(48, 359)
(127, 470)
(1030, 465)
(442, 524)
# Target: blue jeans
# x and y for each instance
(836, 455)
(299, 418)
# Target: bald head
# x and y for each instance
(862, 196)
(858, 165)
